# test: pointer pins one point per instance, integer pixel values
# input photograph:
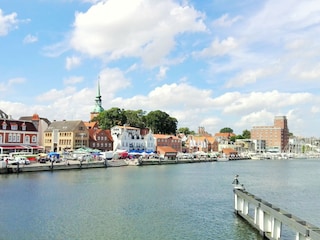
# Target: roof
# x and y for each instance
(164, 136)
(229, 151)
(166, 149)
(29, 125)
(91, 125)
(34, 117)
(93, 133)
(226, 135)
(3, 115)
(64, 126)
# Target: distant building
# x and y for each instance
(66, 135)
(131, 139)
(100, 139)
(40, 123)
(163, 140)
(276, 137)
(201, 143)
(18, 135)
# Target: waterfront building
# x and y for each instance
(200, 143)
(18, 135)
(131, 139)
(40, 123)
(66, 135)
(100, 139)
(276, 137)
(163, 140)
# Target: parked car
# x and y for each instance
(22, 160)
(42, 160)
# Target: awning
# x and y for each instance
(13, 147)
(36, 147)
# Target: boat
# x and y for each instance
(132, 162)
(222, 158)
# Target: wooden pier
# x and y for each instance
(268, 219)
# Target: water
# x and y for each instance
(184, 201)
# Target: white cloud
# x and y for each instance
(248, 77)
(218, 48)
(72, 62)
(226, 21)
(305, 71)
(118, 28)
(7, 22)
(30, 39)
(112, 80)
(6, 86)
(162, 72)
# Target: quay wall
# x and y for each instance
(268, 218)
(37, 167)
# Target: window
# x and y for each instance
(10, 137)
(14, 127)
(27, 139)
(34, 139)
(0, 138)
(4, 125)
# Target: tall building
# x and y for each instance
(98, 106)
(276, 137)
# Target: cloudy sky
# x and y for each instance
(214, 63)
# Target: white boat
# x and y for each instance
(222, 158)
(132, 162)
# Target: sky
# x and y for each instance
(211, 64)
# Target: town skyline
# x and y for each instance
(214, 64)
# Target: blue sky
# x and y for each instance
(215, 64)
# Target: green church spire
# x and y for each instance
(98, 108)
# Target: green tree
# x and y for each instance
(135, 118)
(109, 118)
(246, 134)
(186, 131)
(226, 130)
(161, 122)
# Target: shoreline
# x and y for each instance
(74, 164)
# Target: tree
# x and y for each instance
(185, 131)
(161, 122)
(112, 117)
(246, 134)
(135, 118)
(226, 130)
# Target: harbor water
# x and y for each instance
(176, 201)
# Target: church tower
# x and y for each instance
(97, 108)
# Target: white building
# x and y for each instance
(130, 139)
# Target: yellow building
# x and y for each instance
(66, 135)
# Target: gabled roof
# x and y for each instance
(91, 125)
(93, 133)
(29, 125)
(64, 126)
(164, 136)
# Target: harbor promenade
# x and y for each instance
(76, 164)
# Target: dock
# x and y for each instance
(268, 219)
